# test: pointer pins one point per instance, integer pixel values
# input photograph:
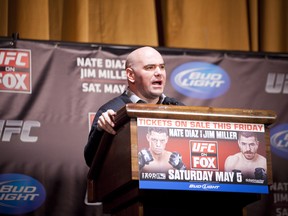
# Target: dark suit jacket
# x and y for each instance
(115, 104)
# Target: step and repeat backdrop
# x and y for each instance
(49, 91)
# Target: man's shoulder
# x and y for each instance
(261, 158)
(116, 102)
(234, 157)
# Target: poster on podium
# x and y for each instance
(178, 154)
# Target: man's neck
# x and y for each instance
(135, 98)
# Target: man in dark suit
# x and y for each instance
(146, 77)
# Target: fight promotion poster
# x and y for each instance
(201, 156)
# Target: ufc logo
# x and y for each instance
(18, 127)
(277, 83)
(203, 147)
(14, 58)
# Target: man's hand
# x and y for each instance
(236, 175)
(260, 173)
(106, 121)
(144, 158)
(176, 161)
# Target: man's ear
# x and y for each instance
(148, 136)
(130, 75)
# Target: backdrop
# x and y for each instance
(49, 89)
(248, 25)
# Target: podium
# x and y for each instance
(113, 178)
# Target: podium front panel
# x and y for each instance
(203, 147)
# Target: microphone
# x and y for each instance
(170, 101)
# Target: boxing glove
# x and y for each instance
(237, 177)
(176, 161)
(260, 173)
(144, 158)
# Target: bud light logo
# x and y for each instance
(20, 194)
(279, 140)
(200, 80)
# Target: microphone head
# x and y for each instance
(170, 101)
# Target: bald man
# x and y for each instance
(146, 77)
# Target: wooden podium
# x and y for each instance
(113, 178)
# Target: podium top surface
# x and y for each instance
(196, 113)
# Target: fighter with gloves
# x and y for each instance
(251, 164)
(156, 158)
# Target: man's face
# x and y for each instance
(149, 75)
(151, 80)
(157, 142)
(248, 146)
